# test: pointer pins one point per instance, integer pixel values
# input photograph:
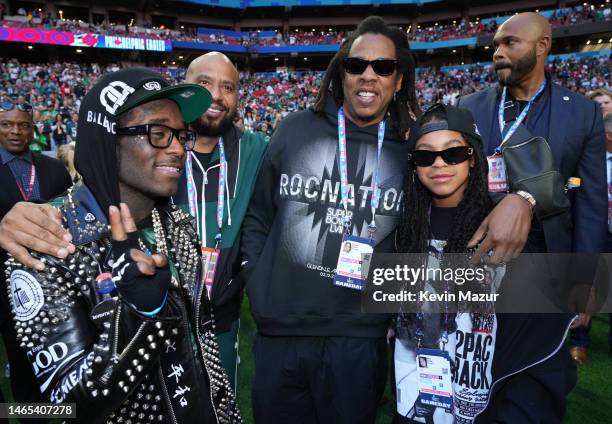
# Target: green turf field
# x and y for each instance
(589, 403)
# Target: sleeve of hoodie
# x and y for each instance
(264, 201)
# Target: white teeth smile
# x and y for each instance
(169, 169)
(366, 94)
(215, 110)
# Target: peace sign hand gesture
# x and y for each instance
(141, 279)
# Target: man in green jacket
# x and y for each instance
(216, 188)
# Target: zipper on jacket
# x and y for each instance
(524, 368)
(165, 393)
(203, 203)
(117, 330)
(131, 343)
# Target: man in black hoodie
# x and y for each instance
(334, 175)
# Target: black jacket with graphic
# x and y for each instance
(293, 229)
(97, 351)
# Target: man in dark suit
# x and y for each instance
(573, 127)
(571, 124)
(24, 176)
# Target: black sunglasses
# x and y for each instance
(7, 105)
(160, 136)
(452, 156)
(357, 65)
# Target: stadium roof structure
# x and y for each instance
(243, 4)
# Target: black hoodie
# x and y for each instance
(292, 231)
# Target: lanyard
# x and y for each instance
(26, 195)
(444, 315)
(343, 168)
(192, 194)
(519, 120)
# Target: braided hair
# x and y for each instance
(414, 230)
(404, 107)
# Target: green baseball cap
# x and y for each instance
(141, 85)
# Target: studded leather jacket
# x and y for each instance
(97, 351)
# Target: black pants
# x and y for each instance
(318, 380)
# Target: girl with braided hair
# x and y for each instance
(446, 200)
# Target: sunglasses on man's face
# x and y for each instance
(7, 105)
(357, 66)
(452, 156)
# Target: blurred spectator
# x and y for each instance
(39, 142)
(59, 131)
(65, 154)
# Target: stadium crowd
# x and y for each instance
(55, 90)
(580, 13)
(580, 75)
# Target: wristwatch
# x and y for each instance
(527, 196)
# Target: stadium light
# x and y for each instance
(588, 42)
(182, 27)
(181, 57)
(164, 62)
(79, 51)
(30, 47)
(454, 51)
(174, 63)
(487, 47)
(276, 59)
(599, 41)
(305, 58)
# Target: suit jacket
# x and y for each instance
(53, 180)
(577, 139)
